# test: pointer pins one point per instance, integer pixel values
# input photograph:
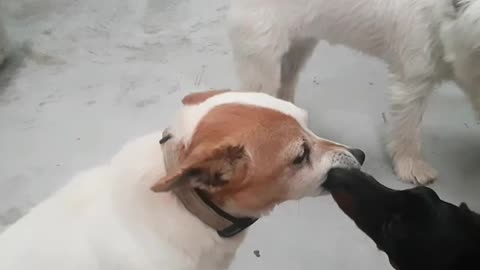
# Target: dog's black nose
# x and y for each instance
(358, 154)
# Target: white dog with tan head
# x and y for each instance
(424, 42)
(184, 204)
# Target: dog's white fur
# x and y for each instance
(108, 218)
(424, 42)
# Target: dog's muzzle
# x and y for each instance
(354, 159)
(358, 154)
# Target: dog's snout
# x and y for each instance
(358, 154)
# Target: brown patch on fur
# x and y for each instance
(199, 97)
(264, 133)
(206, 170)
(242, 156)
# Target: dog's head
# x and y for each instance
(250, 152)
(414, 227)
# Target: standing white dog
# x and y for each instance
(424, 42)
(230, 158)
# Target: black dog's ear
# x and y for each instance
(459, 5)
(464, 207)
(465, 211)
(469, 215)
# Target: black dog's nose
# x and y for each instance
(358, 154)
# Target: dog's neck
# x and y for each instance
(197, 202)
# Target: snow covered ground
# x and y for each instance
(84, 76)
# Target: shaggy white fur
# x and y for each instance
(108, 218)
(424, 43)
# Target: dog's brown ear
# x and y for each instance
(207, 171)
(199, 97)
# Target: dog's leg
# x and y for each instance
(272, 72)
(407, 108)
(292, 63)
(267, 58)
(259, 72)
(257, 53)
(473, 93)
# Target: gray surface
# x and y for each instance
(87, 75)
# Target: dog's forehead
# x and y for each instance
(193, 114)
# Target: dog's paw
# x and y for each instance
(415, 171)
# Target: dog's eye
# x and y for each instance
(303, 156)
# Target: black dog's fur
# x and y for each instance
(414, 227)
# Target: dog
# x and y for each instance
(414, 227)
(182, 198)
(424, 43)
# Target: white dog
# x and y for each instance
(424, 42)
(228, 159)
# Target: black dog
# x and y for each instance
(414, 227)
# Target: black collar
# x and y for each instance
(238, 224)
(197, 202)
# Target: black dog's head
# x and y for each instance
(414, 227)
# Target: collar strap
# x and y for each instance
(197, 202)
(238, 224)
